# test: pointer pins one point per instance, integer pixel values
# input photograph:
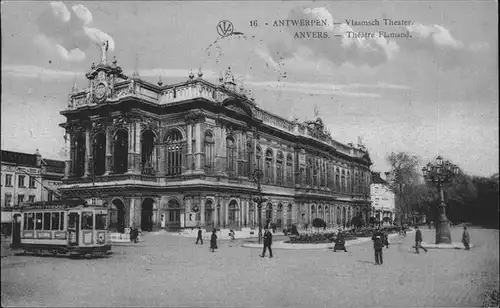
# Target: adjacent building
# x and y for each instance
(383, 199)
(27, 178)
(189, 154)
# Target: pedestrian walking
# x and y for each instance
(378, 245)
(466, 238)
(213, 241)
(199, 237)
(385, 239)
(268, 240)
(418, 240)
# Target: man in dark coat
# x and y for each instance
(466, 238)
(418, 240)
(268, 240)
(199, 238)
(377, 239)
(213, 240)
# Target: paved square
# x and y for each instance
(170, 271)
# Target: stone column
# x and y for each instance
(202, 211)
(131, 140)
(198, 150)
(138, 148)
(109, 144)
(189, 147)
(67, 155)
(161, 159)
(131, 212)
(88, 154)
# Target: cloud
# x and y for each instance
(325, 89)
(65, 33)
(75, 55)
(83, 13)
(439, 35)
(339, 48)
(32, 71)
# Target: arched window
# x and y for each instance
(308, 171)
(313, 212)
(320, 212)
(337, 180)
(174, 153)
(248, 165)
(99, 154)
(79, 159)
(231, 155)
(269, 166)
(121, 151)
(148, 157)
(279, 168)
(232, 214)
(279, 216)
(327, 215)
(339, 215)
(289, 164)
(315, 172)
(209, 145)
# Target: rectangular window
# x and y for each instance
(32, 182)
(46, 221)
(72, 221)
(38, 221)
(50, 196)
(31, 222)
(61, 223)
(21, 181)
(55, 221)
(31, 198)
(20, 199)
(100, 221)
(8, 180)
(8, 199)
(87, 221)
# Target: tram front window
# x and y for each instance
(100, 221)
(87, 221)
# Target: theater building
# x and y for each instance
(184, 155)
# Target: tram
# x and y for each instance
(62, 227)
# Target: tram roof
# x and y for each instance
(56, 204)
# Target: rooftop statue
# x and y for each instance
(104, 52)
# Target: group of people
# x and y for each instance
(268, 240)
(380, 239)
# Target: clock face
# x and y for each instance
(100, 90)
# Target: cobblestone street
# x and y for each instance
(171, 271)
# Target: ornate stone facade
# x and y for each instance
(184, 155)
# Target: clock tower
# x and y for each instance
(102, 78)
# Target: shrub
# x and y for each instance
(318, 223)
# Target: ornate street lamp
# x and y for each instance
(437, 174)
(257, 177)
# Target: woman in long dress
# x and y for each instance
(213, 241)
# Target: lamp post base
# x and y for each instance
(443, 235)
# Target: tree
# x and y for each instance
(404, 177)
(318, 223)
(357, 221)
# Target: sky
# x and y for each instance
(435, 92)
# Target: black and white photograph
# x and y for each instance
(249, 154)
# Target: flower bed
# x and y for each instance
(316, 238)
